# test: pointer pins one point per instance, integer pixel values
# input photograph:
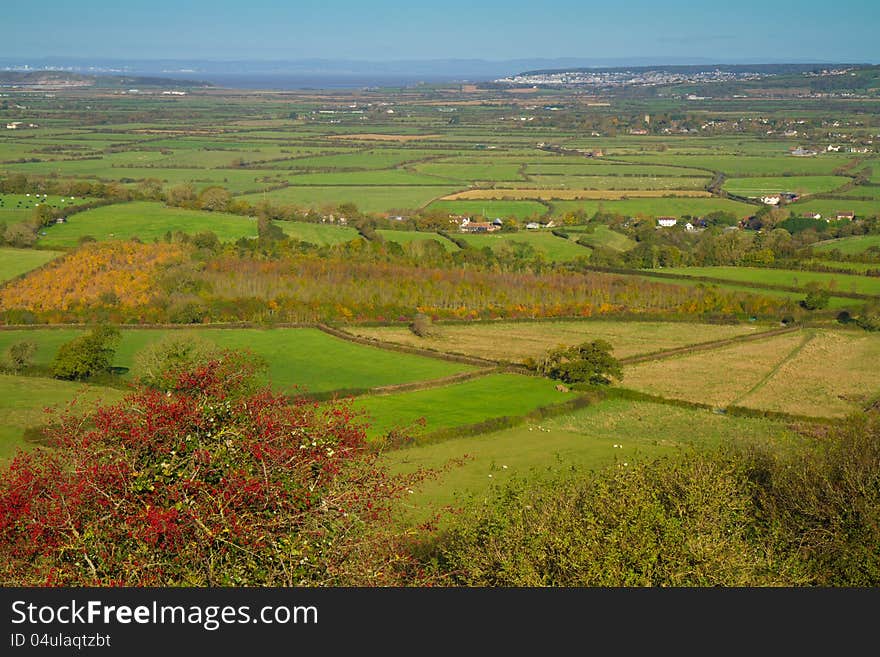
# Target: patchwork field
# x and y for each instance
(569, 194)
(308, 358)
(369, 199)
(664, 206)
(783, 277)
(320, 234)
(516, 341)
(404, 237)
(554, 248)
(754, 187)
(811, 372)
(599, 236)
(14, 262)
(461, 404)
(147, 221)
(492, 209)
(849, 245)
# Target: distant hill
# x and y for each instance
(68, 79)
(765, 69)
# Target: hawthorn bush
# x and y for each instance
(212, 482)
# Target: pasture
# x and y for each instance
(146, 220)
(849, 245)
(24, 400)
(299, 359)
(552, 247)
(754, 187)
(14, 262)
(458, 405)
(606, 433)
(783, 277)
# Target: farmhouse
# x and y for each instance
(667, 222)
(848, 214)
(480, 227)
(811, 215)
(772, 199)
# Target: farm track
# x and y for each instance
(706, 346)
(808, 337)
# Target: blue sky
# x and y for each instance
(746, 30)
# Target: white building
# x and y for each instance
(770, 200)
(667, 222)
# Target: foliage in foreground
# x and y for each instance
(207, 484)
(738, 517)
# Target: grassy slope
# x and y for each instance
(18, 261)
(585, 439)
(297, 357)
(841, 282)
(496, 395)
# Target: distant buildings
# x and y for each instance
(772, 199)
(847, 214)
(667, 222)
(802, 152)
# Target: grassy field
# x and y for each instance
(14, 262)
(23, 401)
(554, 249)
(849, 245)
(606, 183)
(376, 198)
(782, 165)
(811, 372)
(606, 433)
(830, 207)
(404, 237)
(755, 187)
(496, 395)
(599, 236)
(516, 341)
(148, 221)
(653, 207)
(17, 207)
(320, 234)
(492, 209)
(297, 357)
(790, 278)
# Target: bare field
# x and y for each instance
(812, 372)
(572, 194)
(516, 341)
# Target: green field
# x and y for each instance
(14, 262)
(830, 207)
(754, 187)
(492, 209)
(17, 207)
(789, 278)
(493, 396)
(553, 248)
(24, 399)
(404, 237)
(377, 198)
(605, 433)
(849, 245)
(599, 236)
(308, 358)
(147, 221)
(320, 234)
(783, 165)
(654, 207)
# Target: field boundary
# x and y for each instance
(391, 346)
(707, 346)
(808, 337)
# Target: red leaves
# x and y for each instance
(208, 483)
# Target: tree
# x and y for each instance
(589, 362)
(214, 199)
(86, 355)
(20, 354)
(210, 483)
(816, 299)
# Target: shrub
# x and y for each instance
(208, 484)
(86, 355)
(20, 355)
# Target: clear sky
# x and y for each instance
(745, 30)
